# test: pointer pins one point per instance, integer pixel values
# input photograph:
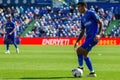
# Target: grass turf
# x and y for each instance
(56, 63)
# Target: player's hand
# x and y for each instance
(97, 37)
(76, 46)
(10, 33)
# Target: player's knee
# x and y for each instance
(86, 54)
(79, 51)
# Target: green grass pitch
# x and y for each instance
(56, 63)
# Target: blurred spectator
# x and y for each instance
(56, 22)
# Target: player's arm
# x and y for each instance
(100, 22)
(79, 38)
(13, 25)
(12, 31)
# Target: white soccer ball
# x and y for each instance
(77, 72)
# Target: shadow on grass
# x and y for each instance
(45, 77)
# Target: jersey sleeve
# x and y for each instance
(94, 16)
(13, 25)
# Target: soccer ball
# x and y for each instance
(77, 72)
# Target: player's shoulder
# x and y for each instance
(12, 23)
(91, 12)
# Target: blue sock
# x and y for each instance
(80, 60)
(15, 45)
(7, 47)
(89, 64)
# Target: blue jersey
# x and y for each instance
(89, 22)
(10, 27)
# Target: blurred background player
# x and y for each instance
(92, 24)
(9, 31)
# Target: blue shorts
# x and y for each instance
(88, 44)
(9, 39)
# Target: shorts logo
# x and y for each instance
(87, 23)
(90, 45)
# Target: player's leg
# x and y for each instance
(87, 47)
(15, 44)
(17, 49)
(7, 42)
(83, 55)
(89, 64)
(80, 55)
(7, 48)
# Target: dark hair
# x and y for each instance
(82, 4)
